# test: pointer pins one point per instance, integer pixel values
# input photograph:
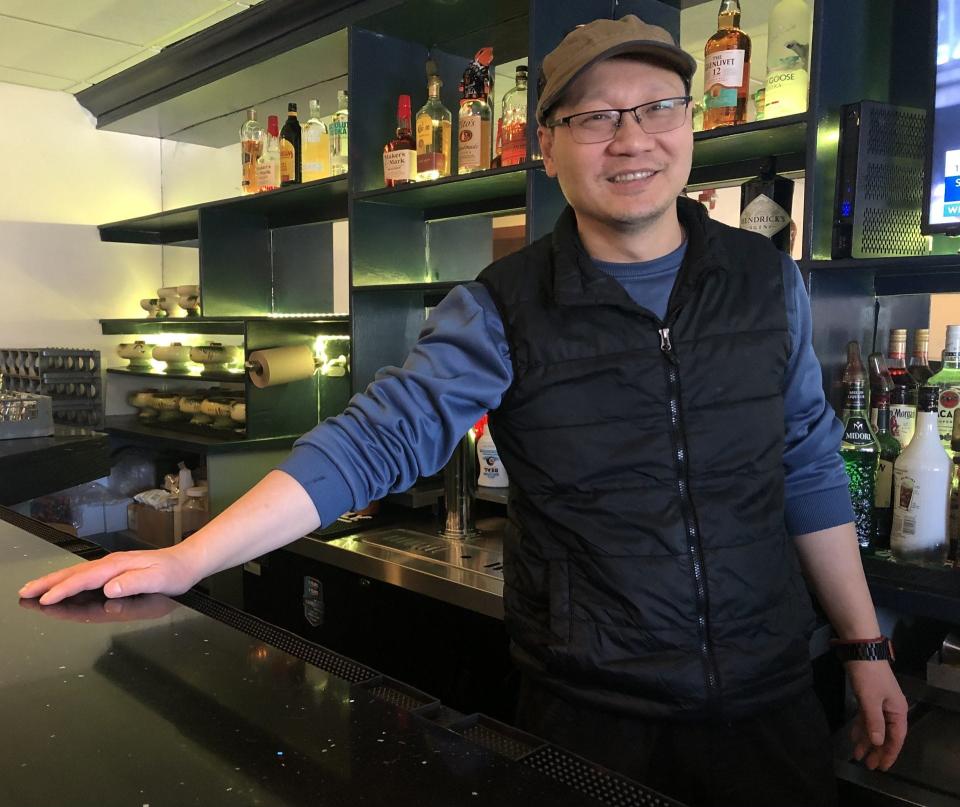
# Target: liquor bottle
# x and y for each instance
(726, 70)
(268, 166)
(339, 131)
(513, 119)
(316, 146)
(903, 397)
(765, 205)
(475, 119)
(953, 511)
(290, 156)
(919, 365)
(788, 52)
(883, 490)
(400, 154)
(433, 122)
(860, 452)
(251, 145)
(947, 380)
(880, 383)
(921, 488)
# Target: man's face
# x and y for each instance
(630, 182)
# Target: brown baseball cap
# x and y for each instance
(598, 40)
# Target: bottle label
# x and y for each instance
(721, 98)
(399, 165)
(884, 487)
(906, 500)
(474, 146)
(316, 156)
(857, 432)
(764, 216)
(903, 423)
(268, 174)
(724, 68)
(949, 400)
(288, 161)
(785, 93)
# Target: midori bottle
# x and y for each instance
(947, 381)
(859, 448)
(921, 488)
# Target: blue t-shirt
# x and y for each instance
(409, 420)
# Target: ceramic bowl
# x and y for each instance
(190, 404)
(191, 304)
(238, 412)
(219, 410)
(152, 306)
(167, 405)
(143, 401)
(188, 291)
(137, 353)
(216, 357)
(170, 301)
(174, 355)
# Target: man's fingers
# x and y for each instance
(134, 581)
(36, 587)
(874, 722)
(896, 734)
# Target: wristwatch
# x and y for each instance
(879, 649)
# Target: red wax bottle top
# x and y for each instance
(403, 107)
(273, 125)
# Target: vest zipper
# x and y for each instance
(694, 547)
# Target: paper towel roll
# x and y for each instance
(280, 365)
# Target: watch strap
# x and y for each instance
(878, 649)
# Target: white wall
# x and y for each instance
(62, 177)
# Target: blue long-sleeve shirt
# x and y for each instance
(409, 420)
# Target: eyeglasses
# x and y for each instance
(601, 125)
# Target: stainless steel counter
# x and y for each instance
(465, 573)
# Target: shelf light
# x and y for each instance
(307, 315)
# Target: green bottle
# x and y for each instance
(947, 380)
(883, 490)
(859, 447)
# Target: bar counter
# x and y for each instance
(159, 701)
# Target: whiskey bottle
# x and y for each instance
(883, 489)
(947, 381)
(765, 205)
(513, 121)
(921, 487)
(316, 146)
(290, 157)
(903, 397)
(726, 70)
(788, 53)
(400, 154)
(475, 118)
(919, 365)
(251, 145)
(339, 131)
(434, 122)
(268, 166)
(860, 452)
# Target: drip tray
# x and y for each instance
(465, 573)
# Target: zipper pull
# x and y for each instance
(665, 344)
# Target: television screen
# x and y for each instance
(943, 175)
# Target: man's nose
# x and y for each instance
(630, 134)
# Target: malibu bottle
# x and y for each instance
(921, 489)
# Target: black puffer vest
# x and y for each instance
(647, 566)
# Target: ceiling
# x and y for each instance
(72, 44)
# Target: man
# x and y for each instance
(657, 405)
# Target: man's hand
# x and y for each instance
(121, 574)
(881, 723)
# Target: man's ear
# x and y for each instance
(545, 136)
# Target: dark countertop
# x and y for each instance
(147, 701)
(34, 466)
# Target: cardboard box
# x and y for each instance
(154, 527)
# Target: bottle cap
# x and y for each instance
(881, 400)
(292, 107)
(251, 114)
(898, 336)
(854, 370)
(403, 107)
(952, 344)
(928, 399)
(273, 125)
